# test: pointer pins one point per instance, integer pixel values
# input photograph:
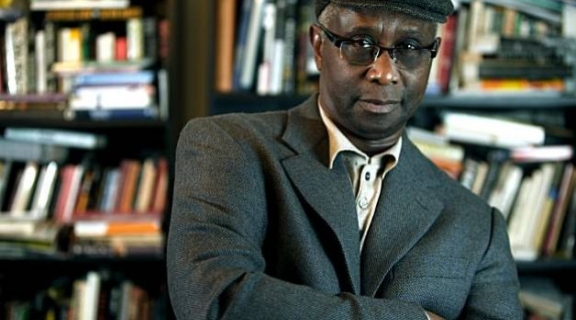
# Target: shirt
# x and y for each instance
(366, 173)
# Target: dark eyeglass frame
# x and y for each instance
(337, 41)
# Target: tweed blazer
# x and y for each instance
(261, 228)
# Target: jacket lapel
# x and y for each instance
(327, 191)
(406, 210)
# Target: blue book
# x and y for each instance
(148, 113)
(113, 78)
(241, 36)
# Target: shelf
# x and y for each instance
(47, 119)
(500, 102)
(549, 267)
(246, 102)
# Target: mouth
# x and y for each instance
(379, 106)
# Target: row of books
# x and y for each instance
(487, 46)
(104, 63)
(113, 208)
(543, 299)
(530, 182)
(262, 46)
(510, 47)
(96, 295)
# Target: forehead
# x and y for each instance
(350, 20)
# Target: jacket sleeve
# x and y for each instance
(218, 223)
(494, 292)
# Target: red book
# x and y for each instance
(121, 53)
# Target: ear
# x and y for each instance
(315, 37)
(439, 46)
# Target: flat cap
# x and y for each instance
(430, 10)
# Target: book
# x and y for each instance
(542, 296)
(130, 173)
(249, 63)
(57, 137)
(226, 25)
(70, 180)
(124, 96)
(560, 211)
(522, 69)
(20, 151)
(89, 14)
(127, 226)
(145, 187)
(24, 190)
(16, 56)
(41, 5)
(160, 193)
(40, 61)
(491, 131)
(44, 190)
(534, 154)
(135, 38)
(70, 68)
(89, 297)
(20, 227)
(147, 113)
(116, 78)
(240, 42)
(506, 187)
(5, 171)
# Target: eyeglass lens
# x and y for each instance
(357, 54)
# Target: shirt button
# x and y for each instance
(367, 176)
(363, 203)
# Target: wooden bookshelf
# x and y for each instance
(138, 133)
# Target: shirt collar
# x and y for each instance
(339, 143)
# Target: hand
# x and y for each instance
(433, 316)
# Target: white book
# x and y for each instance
(16, 44)
(40, 5)
(44, 190)
(90, 296)
(135, 38)
(491, 131)
(41, 65)
(112, 97)
(518, 217)
(70, 45)
(105, 47)
(24, 190)
(504, 193)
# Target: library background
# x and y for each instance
(93, 94)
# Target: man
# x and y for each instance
(328, 211)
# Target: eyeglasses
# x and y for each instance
(364, 51)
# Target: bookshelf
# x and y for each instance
(555, 109)
(102, 124)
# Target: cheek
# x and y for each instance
(416, 84)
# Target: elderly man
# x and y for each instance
(327, 210)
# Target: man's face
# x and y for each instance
(371, 103)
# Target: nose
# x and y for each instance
(383, 70)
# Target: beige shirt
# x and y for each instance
(366, 173)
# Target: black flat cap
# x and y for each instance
(430, 10)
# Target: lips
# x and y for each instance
(379, 106)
